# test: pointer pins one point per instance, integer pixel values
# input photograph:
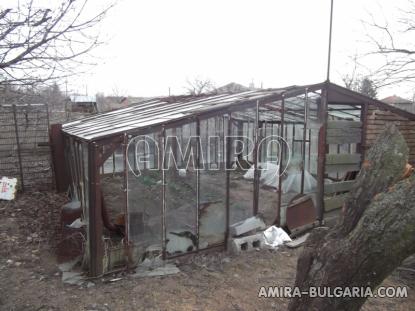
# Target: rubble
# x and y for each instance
(68, 266)
(247, 243)
(249, 234)
(154, 267)
(72, 278)
(247, 225)
(298, 242)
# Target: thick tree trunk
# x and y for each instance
(375, 234)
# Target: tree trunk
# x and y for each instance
(374, 235)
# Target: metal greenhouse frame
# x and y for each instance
(317, 121)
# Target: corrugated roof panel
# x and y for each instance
(160, 111)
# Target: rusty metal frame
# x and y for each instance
(281, 156)
(125, 196)
(303, 149)
(256, 156)
(197, 183)
(227, 147)
(322, 150)
(163, 182)
(97, 156)
(95, 226)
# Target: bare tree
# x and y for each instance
(39, 43)
(376, 231)
(198, 86)
(394, 43)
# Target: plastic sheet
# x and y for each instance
(275, 237)
(291, 183)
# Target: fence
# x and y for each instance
(24, 147)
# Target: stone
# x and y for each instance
(247, 225)
(297, 242)
(248, 243)
(72, 278)
(166, 269)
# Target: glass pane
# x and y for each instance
(144, 196)
(181, 190)
(212, 202)
(241, 176)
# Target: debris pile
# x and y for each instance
(250, 234)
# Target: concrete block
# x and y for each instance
(247, 243)
(247, 225)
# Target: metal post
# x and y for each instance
(321, 162)
(256, 154)
(227, 146)
(282, 150)
(304, 138)
(293, 137)
(125, 190)
(82, 174)
(163, 205)
(96, 247)
(197, 182)
(309, 148)
(113, 163)
(223, 145)
(363, 118)
(329, 50)
(272, 137)
(19, 152)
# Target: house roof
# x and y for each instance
(232, 88)
(394, 100)
(82, 99)
(157, 112)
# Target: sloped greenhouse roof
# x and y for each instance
(162, 111)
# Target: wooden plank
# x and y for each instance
(343, 124)
(338, 186)
(344, 132)
(353, 158)
(335, 202)
(343, 139)
(342, 168)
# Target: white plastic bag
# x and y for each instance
(275, 237)
(8, 188)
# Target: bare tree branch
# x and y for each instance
(198, 86)
(39, 43)
(395, 45)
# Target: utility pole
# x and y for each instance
(329, 51)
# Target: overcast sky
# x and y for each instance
(154, 45)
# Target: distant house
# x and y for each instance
(110, 103)
(83, 103)
(232, 88)
(400, 102)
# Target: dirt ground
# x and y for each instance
(30, 278)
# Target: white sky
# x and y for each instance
(154, 45)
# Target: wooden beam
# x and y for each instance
(338, 186)
(347, 139)
(344, 131)
(346, 158)
(335, 202)
(342, 168)
(321, 150)
(343, 124)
